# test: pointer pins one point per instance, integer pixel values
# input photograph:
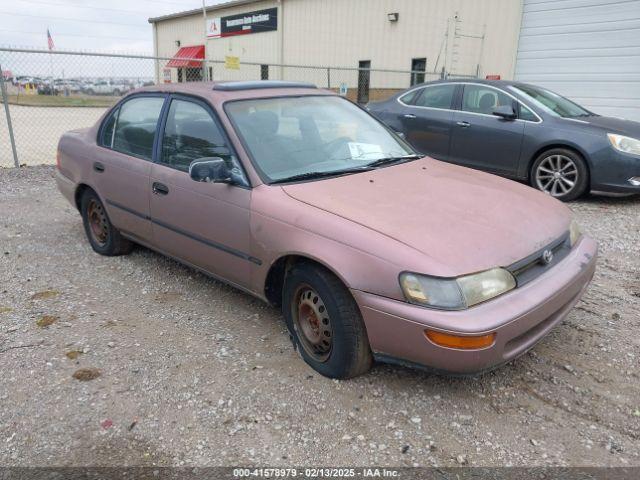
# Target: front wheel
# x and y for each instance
(561, 173)
(325, 322)
(104, 238)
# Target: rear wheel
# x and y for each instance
(325, 322)
(104, 238)
(561, 173)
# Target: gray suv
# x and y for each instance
(518, 131)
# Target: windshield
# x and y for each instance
(550, 102)
(313, 136)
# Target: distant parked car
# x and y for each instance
(70, 86)
(48, 88)
(518, 131)
(299, 197)
(105, 88)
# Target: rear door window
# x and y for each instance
(436, 96)
(136, 125)
(410, 98)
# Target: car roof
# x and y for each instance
(223, 91)
(481, 81)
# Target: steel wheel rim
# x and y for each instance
(557, 175)
(312, 323)
(98, 223)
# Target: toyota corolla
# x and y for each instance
(303, 199)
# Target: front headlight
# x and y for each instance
(624, 144)
(574, 232)
(456, 293)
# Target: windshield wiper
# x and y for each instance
(333, 173)
(388, 160)
(314, 175)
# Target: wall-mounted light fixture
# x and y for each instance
(177, 43)
(393, 17)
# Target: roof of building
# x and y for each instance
(196, 11)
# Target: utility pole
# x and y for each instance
(204, 61)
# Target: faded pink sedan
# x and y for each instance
(301, 198)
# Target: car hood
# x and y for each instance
(614, 125)
(464, 220)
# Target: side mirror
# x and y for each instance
(210, 169)
(505, 112)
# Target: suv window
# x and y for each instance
(436, 96)
(481, 99)
(136, 126)
(191, 133)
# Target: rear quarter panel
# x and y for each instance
(74, 159)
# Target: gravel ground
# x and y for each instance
(192, 372)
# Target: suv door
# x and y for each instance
(483, 140)
(204, 224)
(122, 166)
(426, 117)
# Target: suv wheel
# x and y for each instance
(561, 173)
(325, 322)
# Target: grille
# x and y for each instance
(531, 267)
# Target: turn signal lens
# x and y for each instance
(460, 342)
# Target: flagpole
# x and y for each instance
(49, 43)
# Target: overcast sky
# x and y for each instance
(113, 26)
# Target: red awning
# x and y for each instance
(185, 57)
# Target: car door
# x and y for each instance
(121, 165)
(483, 140)
(201, 223)
(426, 117)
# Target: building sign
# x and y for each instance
(213, 28)
(243, 23)
(167, 75)
(232, 63)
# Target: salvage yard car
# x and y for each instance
(519, 131)
(299, 197)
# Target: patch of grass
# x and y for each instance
(61, 101)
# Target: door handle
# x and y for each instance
(160, 188)
(98, 167)
(463, 124)
(409, 115)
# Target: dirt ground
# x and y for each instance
(192, 372)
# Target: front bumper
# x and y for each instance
(614, 172)
(519, 318)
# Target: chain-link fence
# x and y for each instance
(46, 93)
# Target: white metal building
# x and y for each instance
(465, 37)
(587, 50)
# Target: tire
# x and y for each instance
(310, 292)
(561, 173)
(91, 92)
(104, 238)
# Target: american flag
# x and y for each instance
(50, 40)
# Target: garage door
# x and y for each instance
(587, 50)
